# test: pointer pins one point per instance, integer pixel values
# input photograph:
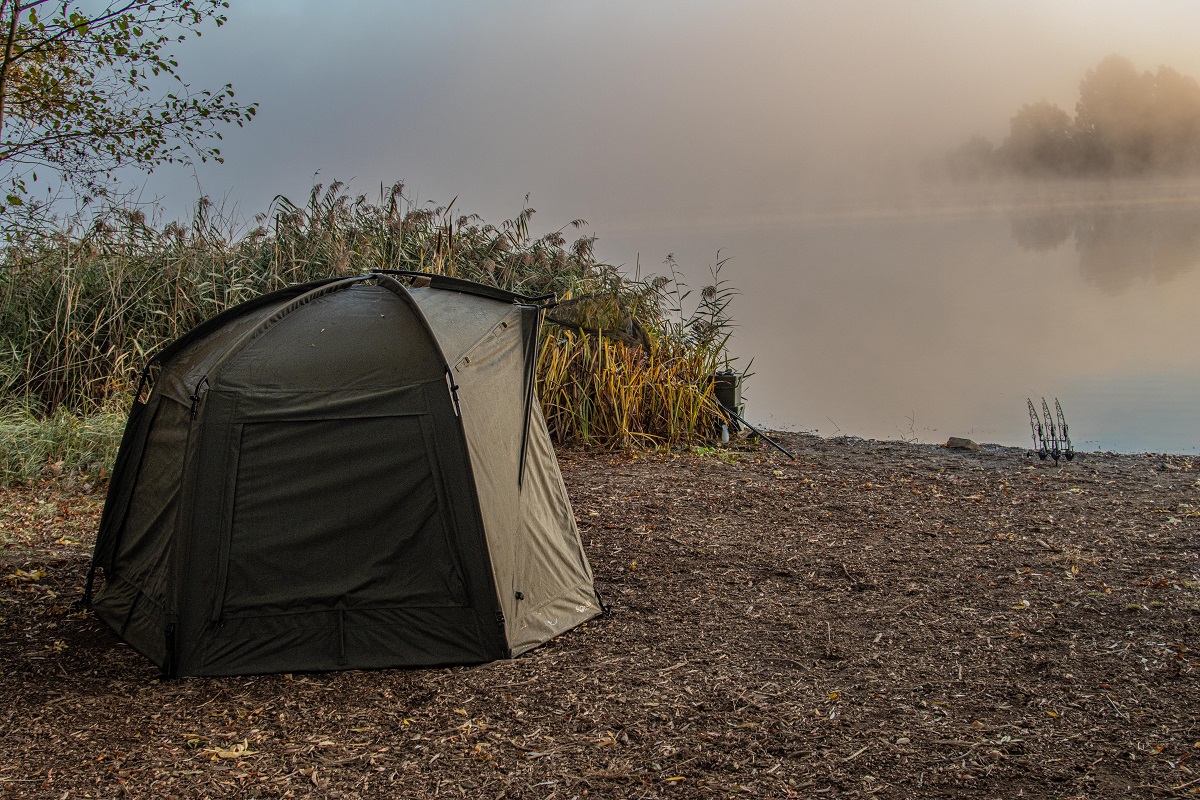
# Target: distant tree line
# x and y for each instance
(1126, 123)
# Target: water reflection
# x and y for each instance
(942, 324)
(1117, 246)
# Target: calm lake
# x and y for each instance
(921, 320)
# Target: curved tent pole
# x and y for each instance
(532, 346)
(401, 292)
(532, 353)
(198, 332)
(469, 287)
(320, 290)
(395, 287)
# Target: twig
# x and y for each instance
(1117, 708)
(856, 753)
(1167, 789)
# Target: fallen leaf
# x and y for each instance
(239, 750)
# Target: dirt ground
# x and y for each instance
(872, 619)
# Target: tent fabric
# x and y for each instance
(330, 477)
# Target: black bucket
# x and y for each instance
(727, 388)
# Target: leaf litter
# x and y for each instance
(875, 619)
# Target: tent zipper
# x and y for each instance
(198, 394)
(453, 391)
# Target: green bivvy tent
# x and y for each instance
(350, 473)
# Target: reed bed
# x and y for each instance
(598, 391)
(82, 307)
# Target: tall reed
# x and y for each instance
(82, 308)
(651, 383)
(599, 391)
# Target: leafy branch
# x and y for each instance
(88, 88)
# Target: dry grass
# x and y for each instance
(33, 445)
(82, 308)
(598, 391)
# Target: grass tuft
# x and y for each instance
(34, 446)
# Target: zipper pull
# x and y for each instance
(453, 391)
(198, 394)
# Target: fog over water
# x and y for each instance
(938, 324)
(792, 137)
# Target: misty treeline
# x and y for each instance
(1126, 124)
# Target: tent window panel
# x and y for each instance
(338, 513)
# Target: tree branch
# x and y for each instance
(72, 84)
(8, 53)
(107, 17)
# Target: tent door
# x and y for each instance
(335, 515)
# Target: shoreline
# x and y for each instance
(985, 447)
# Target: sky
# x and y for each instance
(637, 115)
